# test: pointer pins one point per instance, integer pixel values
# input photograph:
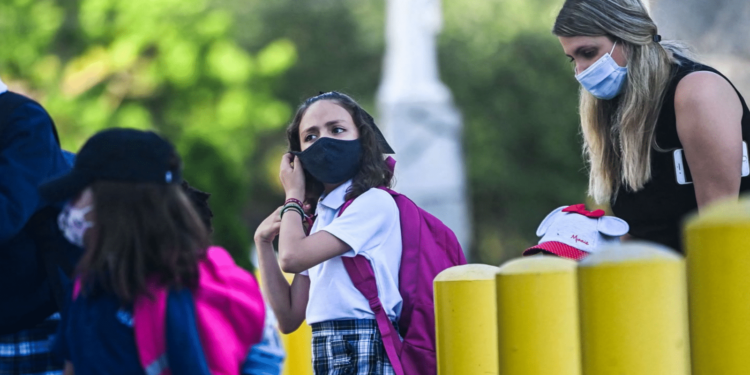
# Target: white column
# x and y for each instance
(717, 29)
(419, 118)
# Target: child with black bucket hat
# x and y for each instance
(151, 295)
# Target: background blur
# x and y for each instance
(221, 79)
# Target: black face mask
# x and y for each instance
(331, 160)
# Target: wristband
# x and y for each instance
(294, 200)
(293, 204)
(295, 209)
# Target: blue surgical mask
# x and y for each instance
(604, 79)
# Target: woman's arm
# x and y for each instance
(709, 115)
(297, 251)
(69, 369)
(288, 302)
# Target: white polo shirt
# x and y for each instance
(371, 226)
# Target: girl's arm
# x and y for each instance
(69, 369)
(288, 302)
(709, 115)
(297, 251)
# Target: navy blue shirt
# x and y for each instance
(96, 335)
(29, 156)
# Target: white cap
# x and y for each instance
(574, 232)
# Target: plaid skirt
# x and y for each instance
(28, 352)
(349, 347)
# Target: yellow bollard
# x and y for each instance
(537, 317)
(466, 331)
(298, 347)
(633, 301)
(717, 244)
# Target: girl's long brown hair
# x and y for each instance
(142, 232)
(373, 170)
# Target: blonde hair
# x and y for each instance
(618, 134)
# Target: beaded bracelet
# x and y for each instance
(294, 200)
(293, 204)
(293, 207)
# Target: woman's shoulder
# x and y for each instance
(703, 86)
(700, 89)
(693, 87)
(694, 79)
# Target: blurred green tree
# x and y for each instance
(509, 78)
(221, 77)
(519, 99)
(168, 65)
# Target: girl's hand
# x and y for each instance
(292, 177)
(269, 228)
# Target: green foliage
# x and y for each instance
(167, 65)
(185, 67)
(509, 78)
(519, 99)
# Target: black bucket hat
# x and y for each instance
(124, 155)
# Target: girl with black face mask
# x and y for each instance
(336, 155)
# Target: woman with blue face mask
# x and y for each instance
(641, 99)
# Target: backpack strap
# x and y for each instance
(363, 277)
(149, 328)
(76, 288)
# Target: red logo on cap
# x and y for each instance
(575, 237)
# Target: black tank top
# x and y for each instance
(655, 213)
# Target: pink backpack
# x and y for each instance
(429, 247)
(229, 314)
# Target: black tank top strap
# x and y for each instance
(666, 129)
(655, 213)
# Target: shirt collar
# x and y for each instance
(337, 197)
(3, 87)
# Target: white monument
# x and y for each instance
(717, 30)
(419, 118)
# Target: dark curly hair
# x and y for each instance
(373, 170)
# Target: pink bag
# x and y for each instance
(229, 313)
(429, 247)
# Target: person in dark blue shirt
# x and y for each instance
(140, 234)
(29, 155)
